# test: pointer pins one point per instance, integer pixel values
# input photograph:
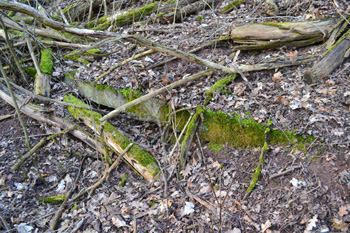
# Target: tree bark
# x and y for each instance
(330, 62)
(274, 35)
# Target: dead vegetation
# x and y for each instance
(230, 116)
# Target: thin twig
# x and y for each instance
(19, 67)
(18, 111)
(37, 146)
(54, 221)
(156, 92)
(90, 189)
(126, 61)
(284, 172)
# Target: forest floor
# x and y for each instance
(299, 190)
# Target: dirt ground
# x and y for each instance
(299, 190)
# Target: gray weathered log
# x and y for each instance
(329, 63)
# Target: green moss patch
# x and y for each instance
(219, 128)
(232, 5)
(123, 181)
(70, 75)
(31, 71)
(46, 62)
(215, 147)
(52, 200)
(218, 86)
(75, 57)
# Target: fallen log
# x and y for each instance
(40, 113)
(182, 12)
(275, 35)
(330, 62)
(140, 160)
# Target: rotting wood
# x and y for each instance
(118, 20)
(156, 92)
(142, 161)
(42, 81)
(186, 143)
(25, 9)
(231, 6)
(38, 113)
(337, 30)
(38, 31)
(274, 35)
(48, 100)
(330, 62)
(182, 12)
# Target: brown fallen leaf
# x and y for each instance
(277, 76)
(339, 224)
(293, 55)
(282, 100)
(342, 211)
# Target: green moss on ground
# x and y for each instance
(218, 86)
(31, 71)
(46, 62)
(75, 57)
(70, 75)
(279, 25)
(71, 37)
(123, 181)
(101, 87)
(11, 13)
(94, 51)
(219, 128)
(215, 147)
(52, 200)
(142, 157)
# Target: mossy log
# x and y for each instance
(42, 79)
(107, 96)
(217, 127)
(184, 10)
(79, 8)
(118, 20)
(330, 62)
(191, 130)
(165, 13)
(275, 35)
(231, 6)
(142, 161)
